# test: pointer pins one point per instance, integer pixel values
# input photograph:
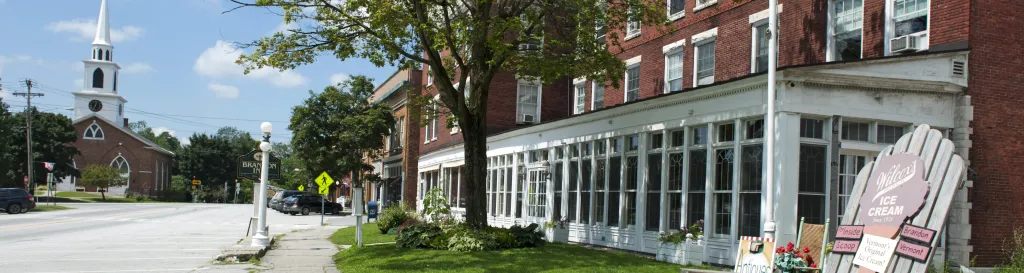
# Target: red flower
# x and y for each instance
(789, 247)
(814, 265)
(779, 250)
(799, 256)
(807, 250)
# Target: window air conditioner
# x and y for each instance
(526, 118)
(904, 44)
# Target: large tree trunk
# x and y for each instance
(475, 148)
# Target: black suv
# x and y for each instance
(305, 203)
(15, 200)
(277, 201)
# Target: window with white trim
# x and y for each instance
(704, 64)
(722, 186)
(430, 75)
(847, 22)
(528, 103)
(93, 132)
(632, 82)
(676, 9)
(853, 130)
(759, 54)
(655, 147)
(433, 124)
(674, 70)
(600, 26)
(632, 26)
(597, 97)
(581, 98)
(121, 165)
(888, 133)
(631, 179)
(910, 16)
(532, 38)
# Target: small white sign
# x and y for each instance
(875, 252)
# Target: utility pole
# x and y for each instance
(28, 127)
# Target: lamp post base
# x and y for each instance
(261, 240)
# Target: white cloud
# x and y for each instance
(282, 27)
(80, 83)
(223, 91)
(184, 141)
(337, 78)
(24, 59)
(85, 30)
(219, 62)
(137, 68)
(161, 130)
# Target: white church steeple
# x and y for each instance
(99, 93)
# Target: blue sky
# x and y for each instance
(176, 61)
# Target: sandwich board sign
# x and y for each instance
(897, 206)
(756, 255)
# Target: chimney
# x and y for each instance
(125, 122)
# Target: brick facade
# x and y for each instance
(996, 77)
(142, 158)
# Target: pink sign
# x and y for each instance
(916, 233)
(845, 247)
(850, 232)
(913, 251)
(895, 191)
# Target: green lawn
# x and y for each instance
(76, 194)
(552, 257)
(371, 235)
(49, 208)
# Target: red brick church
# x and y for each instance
(103, 134)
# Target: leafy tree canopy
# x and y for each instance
(103, 177)
(334, 129)
(53, 140)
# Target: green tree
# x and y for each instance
(465, 44)
(333, 130)
(8, 160)
(293, 172)
(103, 177)
(164, 139)
(53, 140)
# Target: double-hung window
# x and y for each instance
(580, 93)
(633, 25)
(528, 103)
(674, 68)
(597, 96)
(760, 52)
(704, 57)
(676, 9)
(910, 16)
(722, 179)
(633, 82)
(430, 75)
(846, 30)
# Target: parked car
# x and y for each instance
(277, 201)
(15, 200)
(309, 203)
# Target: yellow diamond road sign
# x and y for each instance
(325, 182)
(302, 188)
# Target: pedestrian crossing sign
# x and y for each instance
(324, 181)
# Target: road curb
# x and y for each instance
(244, 252)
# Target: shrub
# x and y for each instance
(464, 239)
(417, 235)
(1015, 250)
(529, 236)
(505, 238)
(435, 204)
(392, 217)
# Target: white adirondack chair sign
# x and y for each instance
(944, 172)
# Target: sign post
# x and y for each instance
(324, 182)
(195, 195)
(249, 166)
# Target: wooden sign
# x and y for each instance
(850, 232)
(756, 255)
(902, 200)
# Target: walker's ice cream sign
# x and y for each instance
(895, 192)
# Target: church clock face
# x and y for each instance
(95, 105)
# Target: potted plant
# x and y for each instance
(559, 230)
(685, 246)
(789, 259)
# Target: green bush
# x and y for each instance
(1015, 250)
(392, 217)
(417, 235)
(528, 236)
(464, 240)
(505, 238)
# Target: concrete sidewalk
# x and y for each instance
(307, 250)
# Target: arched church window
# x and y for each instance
(115, 81)
(101, 54)
(93, 132)
(97, 78)
(121, 164)
(94, 54)
(108, 55)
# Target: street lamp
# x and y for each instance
(261, 239)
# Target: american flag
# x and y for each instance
(48, 165)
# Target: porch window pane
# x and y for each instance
(811, 199)
(614, 185)
(750, 191)
(696, 183)
(653, 212)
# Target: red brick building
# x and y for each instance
(680, 139)
(398, 166)
(103, 134)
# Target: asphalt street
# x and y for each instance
(144, 237)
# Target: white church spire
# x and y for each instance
(102, 26)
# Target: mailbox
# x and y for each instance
(371, 210)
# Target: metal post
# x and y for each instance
(773, 18)
(322, 210)
(357, 205)
(261, 238)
